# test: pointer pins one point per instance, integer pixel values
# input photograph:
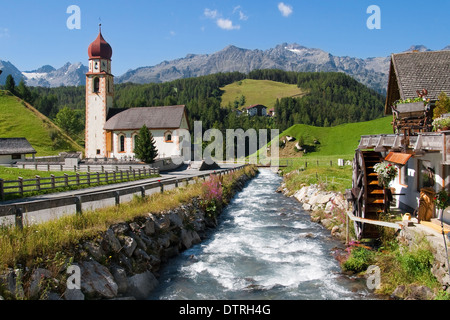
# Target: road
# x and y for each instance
(45, 207)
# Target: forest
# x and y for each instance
(332, 99)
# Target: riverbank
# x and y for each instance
(121, 260)
(411, 263)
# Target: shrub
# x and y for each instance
(212, 195)
(359, 260)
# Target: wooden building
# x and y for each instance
(421, 155)
(13, 150)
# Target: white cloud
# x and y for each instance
(212, 14)
(227, 24)
(285, 9)
(242, 15)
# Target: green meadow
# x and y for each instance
(20, 120)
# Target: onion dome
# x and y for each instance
(100, 49)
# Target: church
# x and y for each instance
(111, 132)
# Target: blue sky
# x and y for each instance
(145, 33)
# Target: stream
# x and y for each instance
(264, 248)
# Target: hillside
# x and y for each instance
(18, 119)
(263, 92)
(334, 141)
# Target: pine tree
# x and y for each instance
(10, 84)
(145, 148)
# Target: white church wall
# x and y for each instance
(165, 148)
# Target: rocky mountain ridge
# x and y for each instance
(373, 72)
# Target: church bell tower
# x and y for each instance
(99, 98)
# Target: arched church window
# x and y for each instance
(96, 85)
(168, 136)
(122, 143)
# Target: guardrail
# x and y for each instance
(22, 186)
(77, 203)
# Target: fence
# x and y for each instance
(22, 186)
(51, 208)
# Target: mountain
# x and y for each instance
(373, 72)
(47, 76)
(8, 68)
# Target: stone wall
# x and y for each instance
(326, 207)
(122, 262)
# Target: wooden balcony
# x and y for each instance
(417, 144)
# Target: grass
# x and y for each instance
(42, 242)
(336, 179)
(18, 119)
(12, 174)
(263, 92)
(8, 173)
(399, 265)
(340, 141)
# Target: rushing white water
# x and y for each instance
(265, 247)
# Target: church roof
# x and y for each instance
(10, 146)
(169, 117)
(100, 49)
(415, 71)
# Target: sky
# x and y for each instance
(145, 33)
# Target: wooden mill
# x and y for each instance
(419, 151)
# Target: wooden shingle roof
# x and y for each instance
(414, 71)
(9, 146)
(169, 117)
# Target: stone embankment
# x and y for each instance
(326, 207)
(122, 262)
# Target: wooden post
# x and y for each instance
(117, 198)
(78, 205)
(143, 192)
(2, 192)
(66, 179)
(52, 176)
(78, 178)
(38, 183)
(20, 186)
(19, 218)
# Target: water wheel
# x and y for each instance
(367, 196)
